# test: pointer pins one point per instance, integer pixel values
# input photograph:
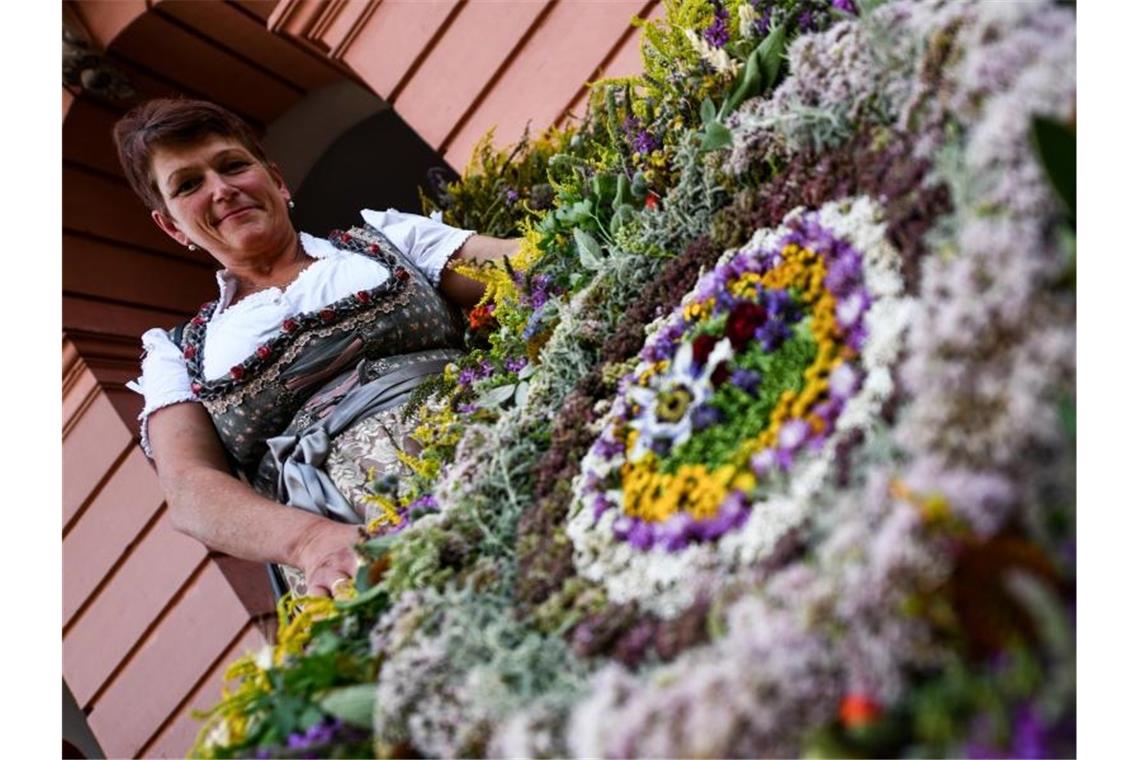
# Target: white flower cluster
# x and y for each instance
(657, 578)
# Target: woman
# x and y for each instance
(294, 376)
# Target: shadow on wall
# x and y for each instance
(378, 164)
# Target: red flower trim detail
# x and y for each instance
(197, 321)
(237, 372)
(196, 388)
(328, 315)
(402, 274)
(289, 325)
(374, 248)
(363, 296)
(263, 352)
(189, 352)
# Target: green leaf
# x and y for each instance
(708, 111)
(1056, 146)
(623, 215)
(716, 136)
(499, 396)
(622, 195)
(750, 84)
(352, 704)
(771, 55)
(589, 252)
(362, 599)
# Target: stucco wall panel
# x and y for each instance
(106, 19)
(176, 738)
(105, 206)
(122, 612)
(244, 35)
(90, 451)
(169, 664)
(182, 56)
(548, 72)
(393, 37)
(107, 529)
(104, 270)
(461, 64)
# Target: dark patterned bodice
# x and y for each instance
(318, 356)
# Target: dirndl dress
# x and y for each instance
(310, 416)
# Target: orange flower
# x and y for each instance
(858, 710)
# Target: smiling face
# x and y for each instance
(222, 199)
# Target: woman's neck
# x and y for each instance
(252, 277)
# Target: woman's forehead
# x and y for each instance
(169, 158)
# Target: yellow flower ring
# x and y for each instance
(754, 369)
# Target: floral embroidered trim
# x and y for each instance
(297, 331)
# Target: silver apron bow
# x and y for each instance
(300, 458)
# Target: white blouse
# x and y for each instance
(235, 330)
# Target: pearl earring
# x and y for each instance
(292, 205)
(192, 247)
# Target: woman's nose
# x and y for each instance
(218, 186)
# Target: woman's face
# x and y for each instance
(222, 199)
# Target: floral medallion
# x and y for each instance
(726, 430)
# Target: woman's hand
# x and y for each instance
(327, 557)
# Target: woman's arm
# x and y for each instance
(211, 505)
(463, 290)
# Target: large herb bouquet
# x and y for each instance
(765, 444)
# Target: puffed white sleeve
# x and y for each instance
(427, 242)
(164, 381)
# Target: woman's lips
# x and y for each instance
(236, 213)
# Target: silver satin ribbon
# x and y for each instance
(300, 458)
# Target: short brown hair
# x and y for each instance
(173, 121)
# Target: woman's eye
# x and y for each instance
(236, 166)
(184, 186)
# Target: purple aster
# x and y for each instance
(844, 381)
(467, 408)
(641, 535)
(746, 380)
(793, 434)
(601, 505)
(765, 22)
(511, 195)
(847, 6)
(772, 334)
(645, 142)
(516, 363)
(705, 416)
(677, 532)
(717, 33)
(622, 527)
(1029, 735)
(427, 502)
(609, 447)
(466, 377)
(763, 462)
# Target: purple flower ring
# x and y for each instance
(742, 390)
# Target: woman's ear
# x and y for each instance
(167, 225)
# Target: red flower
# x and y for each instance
(363, 296)
(345, 237)
(263, 352)
(402, 274)
(328, 315)
(719, 375)
(702, 347)
(237, 372)
(374, 248)
(479, 316)
(289, 325)
(196, 387)
(858, 710)
(742, 323)
(189, 352)
(197, 321)
(651, 201)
